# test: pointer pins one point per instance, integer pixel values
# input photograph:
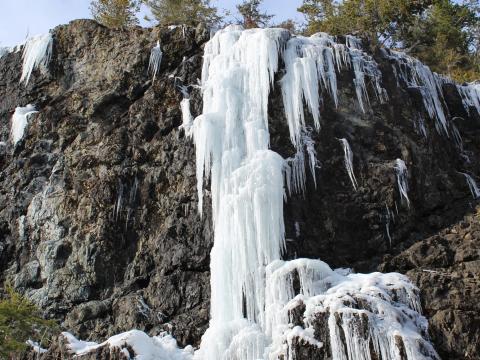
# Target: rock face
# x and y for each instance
(99, 224)
(98, 218)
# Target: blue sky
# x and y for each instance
(21, 17)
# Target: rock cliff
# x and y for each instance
(98, 205)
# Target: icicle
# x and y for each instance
(155, 60)
(387, 224)
(349, 162)
(364, 65)
(37, 52)
(252, 290)
(417, 75)
(402, 182)
(20, 121)
(296, 173)
(472, 185)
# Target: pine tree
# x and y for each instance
(289, 25)
(115, 13)
(184, 12)
(444, 34)
(252, 17)
(20, 321)
(378, 20)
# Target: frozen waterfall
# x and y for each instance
(252, 291)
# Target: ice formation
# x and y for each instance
(472, 185)
(37, 52)
(145, 347)
(470, 95)
(251, 288)
(349, 162)
(36, 347)
(402, 181)
(371, 312)
(311, 64)
(4, 51)
(20, 121)
(156, 55)
(415, 74)
(232, 140)
(187, 119)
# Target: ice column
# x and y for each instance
(247, 185)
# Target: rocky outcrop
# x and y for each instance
(99, 221)
(98, 218)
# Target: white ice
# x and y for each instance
(187, 119)
(401, 173)
(470, 95)
(385, 306)
(250, 285)
(37, 52)
(20, 121)
(472, 185)
(418, 75)
(349, 162)
(156, 55)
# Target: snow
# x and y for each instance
(36, 347)
(20, 121)
(387, 305)
(156, 55)
(402, 182)
(162, 347)
(349, 162)
(472, 185)
(36, 52)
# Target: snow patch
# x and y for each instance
(472, 185)
(36, 347)
(145, 347)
